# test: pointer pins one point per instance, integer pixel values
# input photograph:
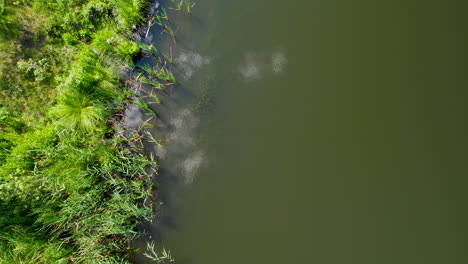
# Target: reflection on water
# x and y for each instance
(278, 61)
(133, 116)
(181, 129)
(191, 164)
(188, 62)
(250, 69)
(254, 65)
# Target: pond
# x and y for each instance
(315, 132)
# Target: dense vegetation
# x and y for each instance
(73, 185)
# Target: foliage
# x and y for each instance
(128, 13)
(72, 190)
(8, 26)
(21, 245)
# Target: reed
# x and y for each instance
(160, 73)
(183, 5)
(168, 56)
(154, 83)
(152, 139)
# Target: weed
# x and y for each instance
(163, 257)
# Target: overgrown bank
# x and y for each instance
(73, 185)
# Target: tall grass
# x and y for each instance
(4, 21)
(80, 111)
(8, 25)
(128, 13)
(86, 94)
(72, 189)
(18, 246)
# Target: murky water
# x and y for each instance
(316, 132)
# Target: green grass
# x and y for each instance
(128, 13)
(72, 188)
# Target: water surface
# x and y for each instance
(316, 132)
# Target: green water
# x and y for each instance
(325, 132)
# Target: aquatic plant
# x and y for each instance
(166, 74)
(183, 4)
(162, 20)
(168, 29)
(163, 257)
(168, 56)
(142, 104)
(148, 48)
(152, 139)
(155, 98)
(154, 83)
(163, 14)
(161, 73)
